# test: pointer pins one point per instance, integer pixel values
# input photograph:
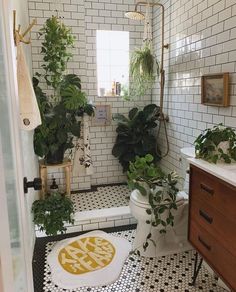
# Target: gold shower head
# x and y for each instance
(135, 15)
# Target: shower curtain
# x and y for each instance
(82, 163)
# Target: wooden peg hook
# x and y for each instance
(18, 37)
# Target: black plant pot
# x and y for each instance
(56, 157)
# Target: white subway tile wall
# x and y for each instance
(85, 17)
(202, 38)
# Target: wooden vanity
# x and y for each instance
(212, 218)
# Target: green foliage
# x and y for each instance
(144, 69)
(57, 40)
(135, 135)
(59, 113)
(160, 188)
(51, 213)
(142, 174)
(208, 145)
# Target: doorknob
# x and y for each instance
(36, 184)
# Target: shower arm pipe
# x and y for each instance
(163, 46)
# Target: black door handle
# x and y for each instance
(36, 184)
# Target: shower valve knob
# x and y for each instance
(36, 184)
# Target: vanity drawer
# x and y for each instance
(221, 260)
(224, 230)
(213, 191)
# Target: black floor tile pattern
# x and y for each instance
(164, 274)
(103, 197)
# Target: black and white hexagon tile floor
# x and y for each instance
(103, 197)
(163, 274)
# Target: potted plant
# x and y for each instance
(159, 189)
(135, 135)
(52, 213)
(61, 109)
(216, 144)
(144, 69)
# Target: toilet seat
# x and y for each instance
(142, 201)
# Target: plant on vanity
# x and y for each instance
(216, 144)
(135, 137)
(51, 213)
(160, 190)
(60, 111)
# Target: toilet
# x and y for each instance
(175, 240)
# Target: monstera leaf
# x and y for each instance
(73, 98)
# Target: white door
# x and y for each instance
(15, 255)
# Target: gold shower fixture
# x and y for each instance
(136, 15)
(18, 37)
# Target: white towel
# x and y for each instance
(29, 111)
(82, 163)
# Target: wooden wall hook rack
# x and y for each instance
(19, 37)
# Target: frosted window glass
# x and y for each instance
(112, 61)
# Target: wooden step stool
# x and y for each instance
(43, 171)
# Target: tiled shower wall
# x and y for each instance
(85, 17)
(202, 38)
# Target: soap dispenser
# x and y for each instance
(53, 187)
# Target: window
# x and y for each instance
(112, 62)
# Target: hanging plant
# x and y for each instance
(216, 144)
(144, 69)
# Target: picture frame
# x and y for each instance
(102, 115)
(215, 89)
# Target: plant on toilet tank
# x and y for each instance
(65, 102)
(159, 189)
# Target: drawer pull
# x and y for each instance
(204, 244)
(205, 216)
(207, 189)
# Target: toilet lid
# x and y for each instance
(142, 201)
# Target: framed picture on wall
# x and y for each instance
(215, 89)
(102, 116)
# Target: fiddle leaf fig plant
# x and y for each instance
(216, 144)
(51, 213)
(64, 103)
(160, 190)
(135, 135)
(144, 69)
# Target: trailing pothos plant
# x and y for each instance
(216, 144)
(160, 190)
(144, 69)
(135, 135)
(51, 213)
(65, 103)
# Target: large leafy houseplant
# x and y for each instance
(60, 110)
(216, 144)
(144, 69)
(135, 135)
(159, 189)
(52, 213)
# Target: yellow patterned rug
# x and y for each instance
(92, 259)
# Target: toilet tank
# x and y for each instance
(186, 152)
